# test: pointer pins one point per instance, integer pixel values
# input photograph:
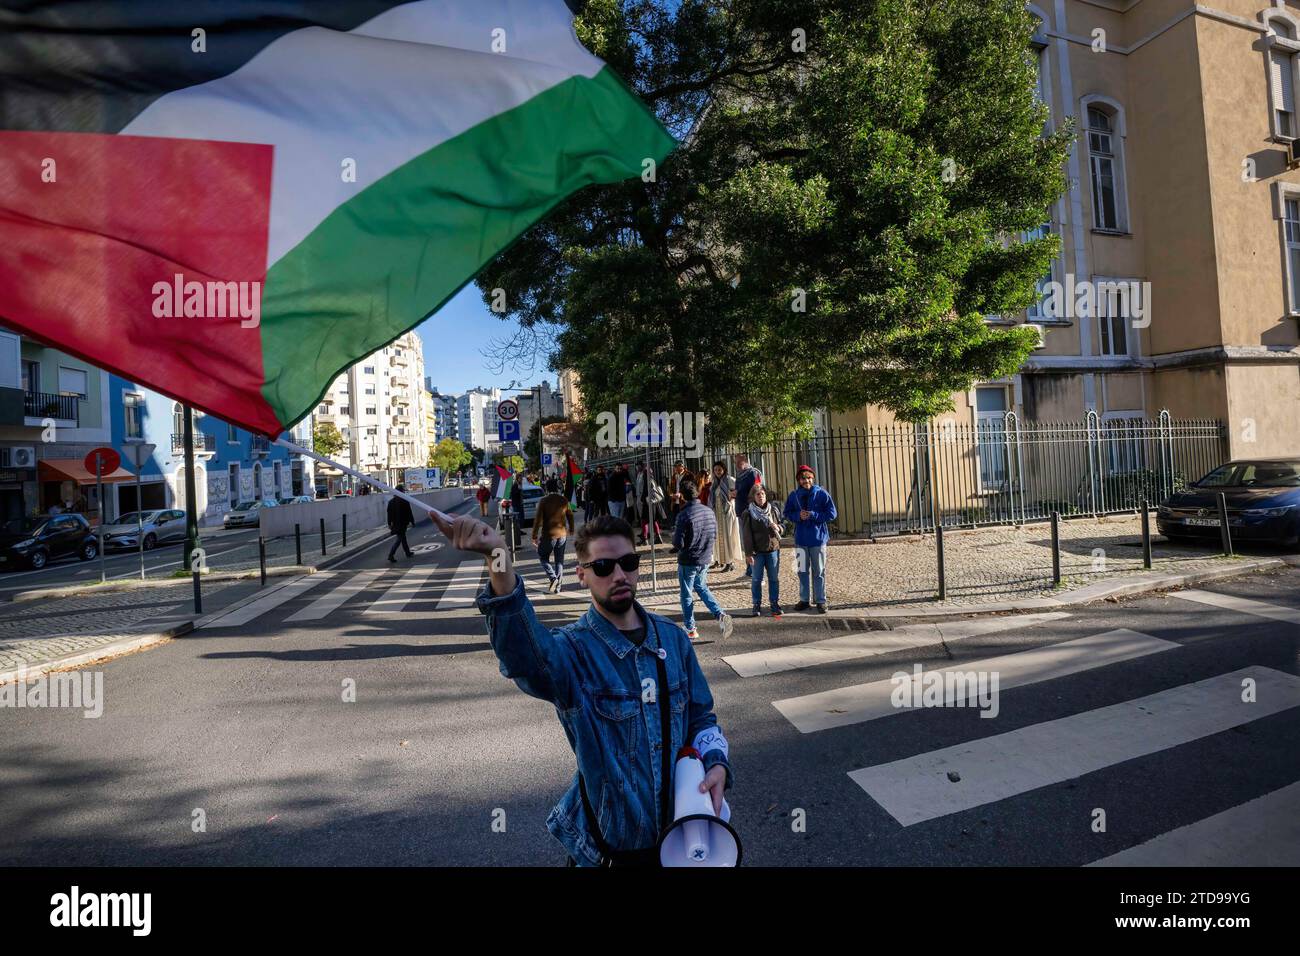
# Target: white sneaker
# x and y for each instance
(693, 634)
(727, 624)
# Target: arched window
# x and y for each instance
(178, 419)
(1106, 165)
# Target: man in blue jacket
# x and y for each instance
(626, 687)
(811, 509)
(694, 535)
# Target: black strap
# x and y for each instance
(649, 856)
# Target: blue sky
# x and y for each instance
(454, 339)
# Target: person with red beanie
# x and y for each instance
(811, 508)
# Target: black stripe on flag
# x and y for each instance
(91, 66)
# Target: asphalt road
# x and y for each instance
(440, 760)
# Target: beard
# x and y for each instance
(619, 604)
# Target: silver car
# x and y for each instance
(156, 527)
(247, 514)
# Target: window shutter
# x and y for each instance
(1283, 89)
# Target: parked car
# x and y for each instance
(532, 495)
(1262, 497)
(247, 514)
(35, 541)
(155, 527)
(297, 500)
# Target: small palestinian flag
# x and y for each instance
(231, 201)
(505, 482)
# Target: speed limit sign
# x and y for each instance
(508, 410)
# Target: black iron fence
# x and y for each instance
(901, 478)
(50, 405)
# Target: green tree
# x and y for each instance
(327, 440)
(844, 211)
(449, 455)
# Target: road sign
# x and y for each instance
(547, 460)
(508, 410)
(141, 452)
(110, 461)
(508, 429)
(509, 448)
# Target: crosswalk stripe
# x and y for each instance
(399, 595)
(862, 702)
(1229, 602)
(1260, 832)
(328, 602)
(464, 586)
(874, 643)
(259, 607)
(994, 768)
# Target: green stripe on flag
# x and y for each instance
(382, 262)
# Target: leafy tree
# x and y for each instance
(327, 440)
(449, 455)
(843, 212)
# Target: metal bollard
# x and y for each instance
(198, 596)
(938, 547)
(345, 530)
(1146, 535)
(297, 542)
(1224, 532)
(1056, 547)
(261, 557)
(322, 535)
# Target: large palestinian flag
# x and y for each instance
(231, 201)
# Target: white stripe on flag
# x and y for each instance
(862, 702)
(919, 788)
(873, 643)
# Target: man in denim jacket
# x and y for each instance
(602, 673)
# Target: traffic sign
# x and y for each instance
(546, 460)
(141, 452)
(110, 461)
(510, 448)
(508, 430)
(508, 410)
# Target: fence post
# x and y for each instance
(1056, 547)
(261, 556)
(1146, 534)
(1094, 454)
(1167, 452)
(1224, 533)
(198, 595)
(938, 549)
(345, 529)
(322, 535)
(297, 542)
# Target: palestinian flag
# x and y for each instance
(232, 201)
(505, 481)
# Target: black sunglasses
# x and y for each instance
(604, 567)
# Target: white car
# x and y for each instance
(155, 527)
(247, 514)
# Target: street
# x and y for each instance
(1118, 734)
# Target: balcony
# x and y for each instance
(259, 447)
(400, 399)
(203, 444)
(397, 381)
(62, 408)
(400, 418)
(400, 360)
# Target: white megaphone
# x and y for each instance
(697, 836)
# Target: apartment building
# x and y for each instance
(477, 413)
(1184, 213)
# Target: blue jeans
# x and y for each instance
(813, 563)
(551, 551)
(695, 578)
(771, 563)
(616, 508)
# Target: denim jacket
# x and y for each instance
(604, 690)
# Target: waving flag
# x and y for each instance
(232, 201)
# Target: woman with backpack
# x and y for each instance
(761, 524)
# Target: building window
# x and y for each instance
(178, 419)
(31, 376)
(370, 390)
(72, 381)
(1291, 221)
(1282, 77)
(372, 410)
(1122, 434)
(232, 433)
(1107, 171)
(345, 410)
(132, 424)
(322, 410)
(1036, 312)
(1113, 312)
(991, 436)
(368, 370)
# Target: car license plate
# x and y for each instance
(1202, 522)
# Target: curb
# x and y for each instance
(1141, 584)
(88, 590)
(125, 645)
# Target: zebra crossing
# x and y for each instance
(395, 594)
(979, 773)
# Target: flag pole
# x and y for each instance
(373, 482)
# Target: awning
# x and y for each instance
(72, 469)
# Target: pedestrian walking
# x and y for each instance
(552, 528)
(594, 673)
(617, 489)
(811, 509)
(599, 492)
(760, 535)
(399, 519)
(693, 538)
(723, 504)
(483, 496)
(650, 509)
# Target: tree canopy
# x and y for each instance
(846, 206)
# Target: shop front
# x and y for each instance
(66, 485)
